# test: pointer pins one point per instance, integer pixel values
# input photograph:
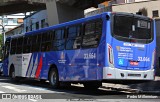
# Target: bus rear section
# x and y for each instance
(131, 49)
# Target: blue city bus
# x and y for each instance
(92, 50)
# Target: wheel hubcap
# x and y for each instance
(13, 75)
(53, 78)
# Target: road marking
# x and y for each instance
(35, 87)
(13, 88)
(2, 92)
(32, 100)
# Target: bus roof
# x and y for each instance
(74, 22)
(60, 25)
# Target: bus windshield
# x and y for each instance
(132, 27)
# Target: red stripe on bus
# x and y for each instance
(39, 68)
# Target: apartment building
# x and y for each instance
(11, 21)
(150, 7)
(36, 21)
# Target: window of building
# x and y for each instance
(155, 13)
(37, 25)
(130, 1)
(26, 29)
(31, 27)
(15, 20)
(5, 20)
(10, 20)
(120, 1)
(20, 20)
(43, 23)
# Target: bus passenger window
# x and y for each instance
(46, 42)
(92, 34)
(74, 37)
(27, 44)
(19, 45)
(13, 46)
(35, 45)
(59, 41)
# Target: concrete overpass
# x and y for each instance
(18, 6)
(58, 10)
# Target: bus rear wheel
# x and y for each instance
(54, 78)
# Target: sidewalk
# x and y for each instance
(152, 87)
(157, 78)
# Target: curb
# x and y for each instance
(149, 92)
(122, 89)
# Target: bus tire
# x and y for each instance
(43, 80)
(54, 78)
(12, 75)
(92, 85)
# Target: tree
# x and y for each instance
(143, 11)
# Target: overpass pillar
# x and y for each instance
(59, 13)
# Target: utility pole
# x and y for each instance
(3, 29)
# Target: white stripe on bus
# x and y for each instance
(34, 67)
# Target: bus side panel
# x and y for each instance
(15, 61)
(5, 67)
(56, 58)
(81, 65)
(86, 64)
(35, 62)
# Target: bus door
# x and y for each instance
(6, 57)
(130, 43)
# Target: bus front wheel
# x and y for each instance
(12, 75)
(54, 78)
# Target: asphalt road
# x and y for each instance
(36, 91)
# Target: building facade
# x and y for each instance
(11, 21)
(36, 21)
(143, 6)
(17, 30)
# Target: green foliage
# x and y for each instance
(1, 39)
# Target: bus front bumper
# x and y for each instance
(119, 74)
